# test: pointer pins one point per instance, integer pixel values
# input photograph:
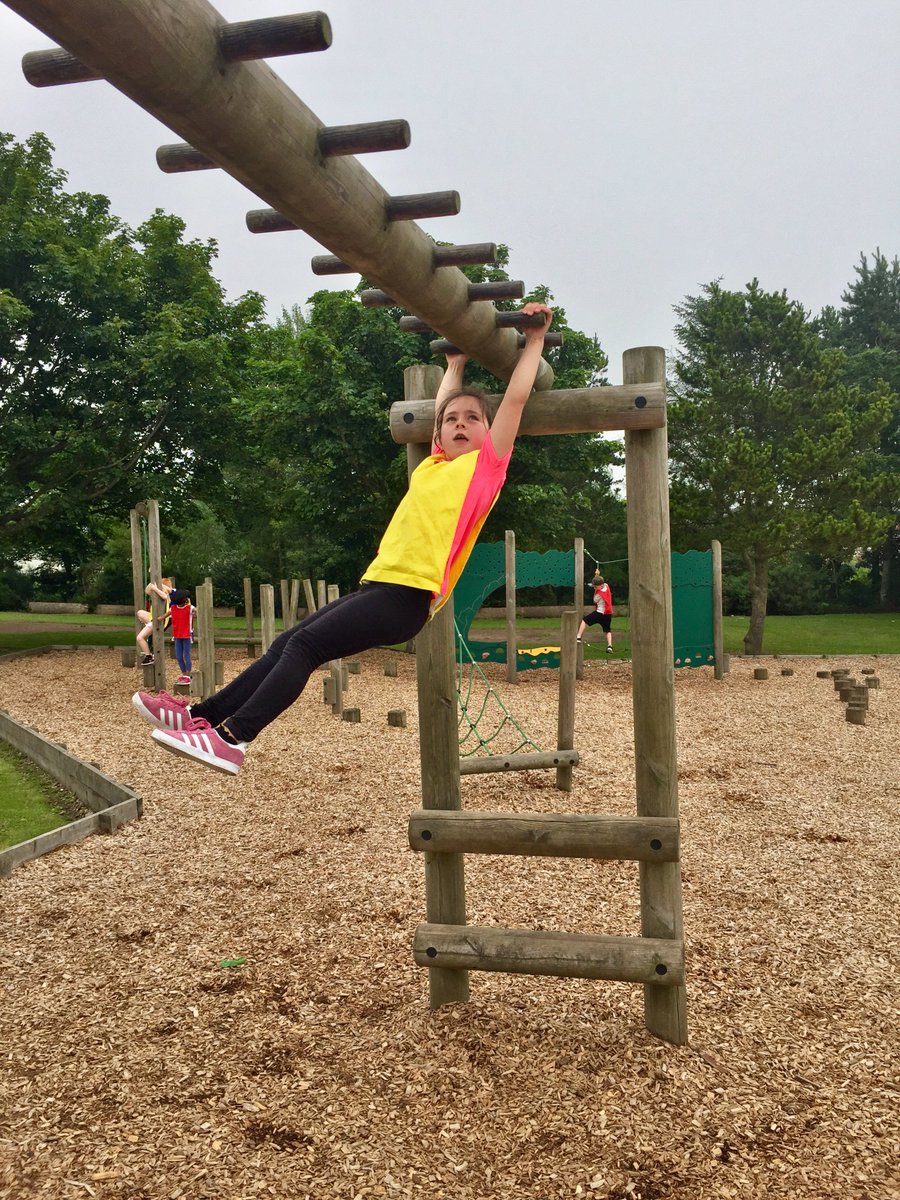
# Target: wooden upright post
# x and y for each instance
(267, 614)
(206, 637)
(285, 603)
(718, 634)
(653, 679)
(336, 666)
(565, 733)
(445, 887)
(579, 604)
(512, 675)
(248, 616)
(156, 606)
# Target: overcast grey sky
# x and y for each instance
(626, 152)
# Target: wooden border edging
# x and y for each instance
(110, 803)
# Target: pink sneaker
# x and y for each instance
(164, 711)
(197, 739)
(183, 679)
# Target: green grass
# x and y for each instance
(841, 633)
(31, 802)
(852, 633)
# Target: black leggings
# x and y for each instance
(378, 614)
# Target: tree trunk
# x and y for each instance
(758, 568)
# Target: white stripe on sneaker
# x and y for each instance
(207, 745)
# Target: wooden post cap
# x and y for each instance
(274, 37)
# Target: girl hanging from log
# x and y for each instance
(421, 556)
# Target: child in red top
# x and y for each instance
(602, 611)
(182, 614)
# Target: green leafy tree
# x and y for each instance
(118, 360)
(868, 328)
(771, 449)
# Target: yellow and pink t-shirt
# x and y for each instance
(431, 535)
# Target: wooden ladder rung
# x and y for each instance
(567, 955)
(519, 762)
(556, 835)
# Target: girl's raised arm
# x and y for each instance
(509, 414)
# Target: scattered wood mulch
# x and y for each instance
(135, 1064)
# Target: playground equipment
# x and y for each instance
(180, 61)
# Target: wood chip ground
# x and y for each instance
(134, 1064)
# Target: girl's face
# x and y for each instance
(463, 427)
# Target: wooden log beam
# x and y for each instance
(444, 256)
(166, 55)
(442, 346)
(503, 320)
(569, 410)
(504, 289)
(552, 835)
(334, 141)
(541, 761)
(271, 37)
(566, 955)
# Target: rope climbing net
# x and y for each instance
(485, 723)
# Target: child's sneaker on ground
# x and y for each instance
(164, 711)
(146, 660)
(200, 741)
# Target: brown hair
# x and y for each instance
(475, 392)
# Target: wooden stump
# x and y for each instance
(856, 714)
(397, 718)
(352, 715)
(868, 670)
(181, 689)
(328, 690)
(873, 682)
(787, 670)
(760, 673)
(149, 677)
(219, 675)
(129, 656)
(823, 674)
(390, 668)
(354, 668)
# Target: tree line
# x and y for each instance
(126, 373)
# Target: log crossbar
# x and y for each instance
(567, 955)
(444, 256)
(548, 835)
(518, 762)
(504, 289)
(572, 410)
(178, 61)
